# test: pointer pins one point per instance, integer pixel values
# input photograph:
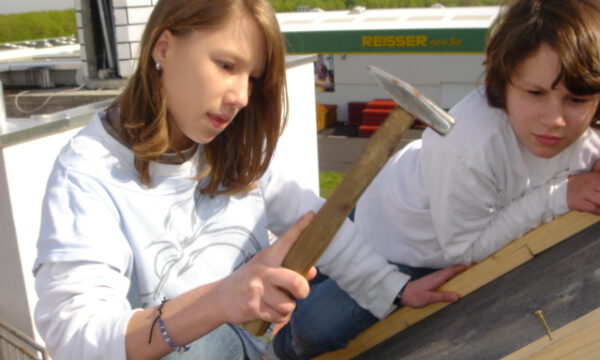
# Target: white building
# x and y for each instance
(438, 50)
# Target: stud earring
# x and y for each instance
(157, 66)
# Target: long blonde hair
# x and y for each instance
(238, 156)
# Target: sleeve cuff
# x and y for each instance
(390, 287)
(558, 197)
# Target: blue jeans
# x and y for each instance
(223, 343)
(327, 319)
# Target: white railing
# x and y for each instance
(14, 345)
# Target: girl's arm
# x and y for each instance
(83, 311)
(469, 222)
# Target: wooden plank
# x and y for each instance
(382, 329)
(499, 318)
(582, 345)
(575, 331)
(482, 273)
(506, 259)
(463, 284)
(562, 228)
(551, 233)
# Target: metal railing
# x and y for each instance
(14, 345)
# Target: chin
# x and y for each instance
(546, 153)
(205, 138)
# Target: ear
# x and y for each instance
(161, 48)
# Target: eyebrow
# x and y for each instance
(523, 82)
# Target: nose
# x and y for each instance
(238, 93)
(554, 114)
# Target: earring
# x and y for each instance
(157, 66)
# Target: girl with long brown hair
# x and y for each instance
(154, 228)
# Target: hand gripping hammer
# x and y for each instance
(317, 236)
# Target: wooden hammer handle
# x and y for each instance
(317, 236)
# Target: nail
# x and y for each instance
(541, 316)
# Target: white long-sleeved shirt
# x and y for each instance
(109, 246)
(460, 197)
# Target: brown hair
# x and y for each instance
(570, 27)
(238, 156)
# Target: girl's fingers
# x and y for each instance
(282, 246)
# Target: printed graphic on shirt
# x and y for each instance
(191, 251)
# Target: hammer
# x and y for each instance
(319, 233)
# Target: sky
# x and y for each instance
(13, 7)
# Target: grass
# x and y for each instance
(37, 25)
(328, 181)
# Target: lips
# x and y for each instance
(548, 140)
(218, 122)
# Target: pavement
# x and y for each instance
(339, 146)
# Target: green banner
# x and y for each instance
(387, 41)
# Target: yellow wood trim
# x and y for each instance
(575, 332)
(582, 345)
(504, 260)
(554, 232)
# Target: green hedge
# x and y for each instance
(291, 5)
(37, 25)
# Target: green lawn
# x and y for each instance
(37, 25)
(328, 181)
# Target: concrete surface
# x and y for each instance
(339, 146)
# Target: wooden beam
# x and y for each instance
(504, 260)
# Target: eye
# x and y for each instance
(535, 92)
(578, 100)
(226, 65)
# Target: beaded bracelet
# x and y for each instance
(163, 331)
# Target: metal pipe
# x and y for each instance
(104, 24)
(2, 109)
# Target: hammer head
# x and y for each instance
(413, 101)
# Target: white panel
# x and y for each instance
(129, 33)
(126, 67)
(139, 15)
(25, 186)
(133, 3)
(82, 54)
(135, 50)
(119, 3)
(78, 20)
(81, 39)
(400, 18)
(120, 16)
(124, 51)
(296, 152)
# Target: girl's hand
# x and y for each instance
(262, 288)
(583, 191)
(423, 291)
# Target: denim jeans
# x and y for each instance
(223, 343)
(327, 319)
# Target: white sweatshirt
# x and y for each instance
(109, 246)
(461, 197)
